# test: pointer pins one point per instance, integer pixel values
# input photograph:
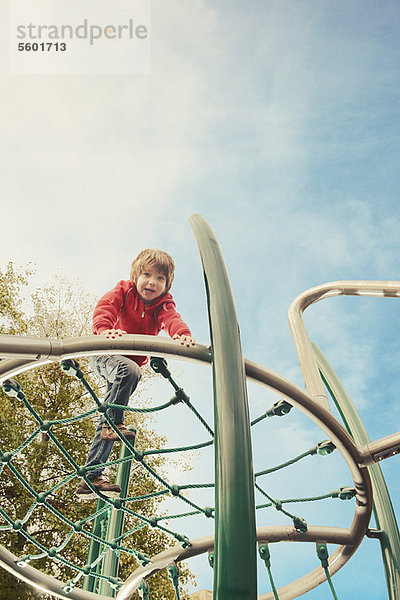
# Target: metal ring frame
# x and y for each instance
(37, 352)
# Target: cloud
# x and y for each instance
(90, 164)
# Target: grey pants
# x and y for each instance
(122, 376)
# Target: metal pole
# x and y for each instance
(235, 571)
(89, 581)
(115, 524)
(383, 509)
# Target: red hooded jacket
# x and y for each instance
(123, 308)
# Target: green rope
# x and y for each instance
(160, 365)
(173, 574)
(264, 552)
(343, 493)
(322, 553)
(179, 449)
(40, 499)
(71, 367)
(13, 389)
(196, 486)
(69, 420)
(299, 523)
(279, 409)
(144, 591)
(323, 448)
(137, 409)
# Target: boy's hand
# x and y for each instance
(113, 333)
(184, 339)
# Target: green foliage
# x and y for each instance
(62, 310)
(12, 319)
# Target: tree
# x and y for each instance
(61, 310)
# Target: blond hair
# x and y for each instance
(150, 257)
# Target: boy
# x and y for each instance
(142, 305)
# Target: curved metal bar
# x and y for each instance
(38, 353)
(235, 573)
(302, 343)
(330, 535)
(130, 344)
(41, 581)
(15, 365)
(161, 561)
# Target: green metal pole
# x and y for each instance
(90, 582)
(383, 509)
(115, 524)
(235, 570)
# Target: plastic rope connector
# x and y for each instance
(6, 457)
(325, 447)
(160, 365)
(322, 553)
(144, 590)
(279, 409)
(139, 456)
(175, 490)
(143, 559)
(115, 583)
(265, 554)
(69, 587)
(183, 540)
(71, 367)
(175, 399)
(23, 561)
(344, 493)
(300, 524)
(13, 389)
(180, 396)
(173, 574)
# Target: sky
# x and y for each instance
(277, 122)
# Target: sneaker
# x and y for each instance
(108, 433)
(84, 492)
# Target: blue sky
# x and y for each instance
(278, 122)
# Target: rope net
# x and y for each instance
(88, 531)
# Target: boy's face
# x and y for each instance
(151, 284)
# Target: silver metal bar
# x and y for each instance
(271, 534)
(380, 449)
(37, 352)
(302, 343)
